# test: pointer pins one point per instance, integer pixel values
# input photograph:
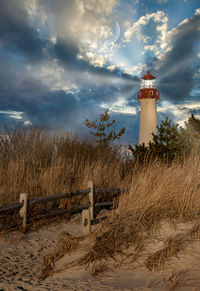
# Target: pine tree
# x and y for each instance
(190, 135)
(170, 142)
(100, 126)
(165, 144)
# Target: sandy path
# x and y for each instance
(21, 259)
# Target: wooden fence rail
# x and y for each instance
(44, 200)
(11, 207)
(87, 209)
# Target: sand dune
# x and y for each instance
(21, 260)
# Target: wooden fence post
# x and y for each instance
(86, 221)
(24, 209)
(91, 198)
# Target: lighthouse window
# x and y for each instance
(151, 93)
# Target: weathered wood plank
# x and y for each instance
(11, 207)
(105, 204)
(74, 209)
(63, 196)
(46, 199)
(81, 192)
(79, 208)
(58, 197)
(98, 220)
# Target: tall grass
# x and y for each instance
(159, 193)
(39, 163)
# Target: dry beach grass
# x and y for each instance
(152, 238)
(39, 163)
(159, 194)
(156, 226)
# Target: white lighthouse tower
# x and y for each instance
(148, 96)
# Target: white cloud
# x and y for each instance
(162, 43)
(158, 16)
(27, 122)
(12, 113)
(101, 6)
(31, 7)
(53, 39)
(96, 60)
(54, 76)
(150, 47)
(120, 106)
(197, 11)
(181, 111)
(85, 23)
(95, 33)
(165, 40)
(39, 16)
(136, 70)
(111, 68)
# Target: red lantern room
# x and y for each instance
(148, 87)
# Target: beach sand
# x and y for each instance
(21, 260)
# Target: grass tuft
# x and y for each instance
(173, 247)
(66, 244)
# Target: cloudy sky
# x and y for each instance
(62, 61)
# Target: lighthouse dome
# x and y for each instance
(148, 76)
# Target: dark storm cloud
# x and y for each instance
(178, 68)
(20, 91)
(16, 33)
(17, 85)
(53, 110)
(125, 120)
(66, 53)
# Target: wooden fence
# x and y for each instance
(87, 210)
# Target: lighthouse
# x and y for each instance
(148, 96)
